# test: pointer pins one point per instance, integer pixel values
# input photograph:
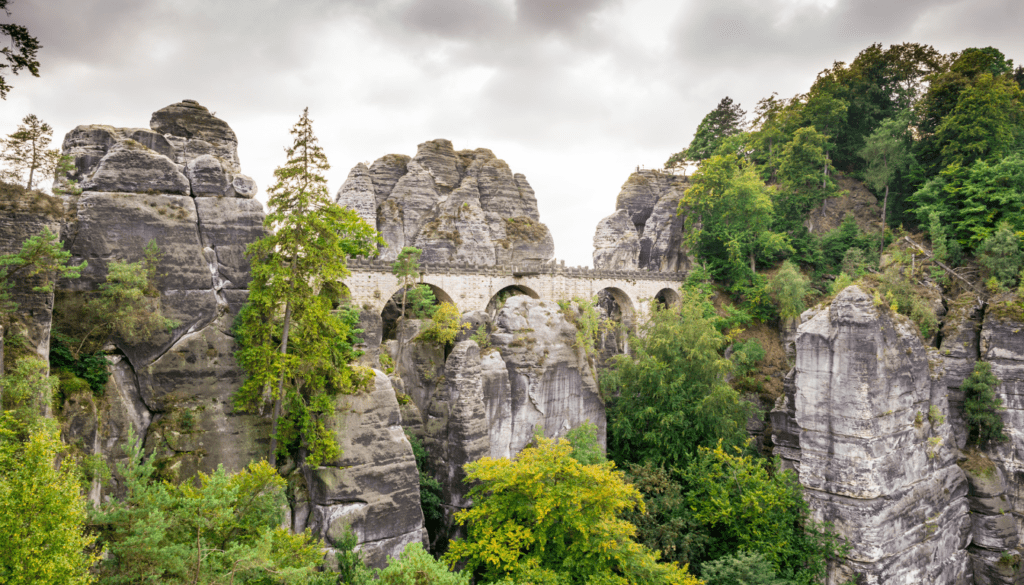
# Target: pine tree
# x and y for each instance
(295, 270)
(981, 406)
(1001, 255)
(24, 152)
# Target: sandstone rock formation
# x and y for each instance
(645, 231)
(173, 185)
(463, 206)
(869, 433)
(489, 402)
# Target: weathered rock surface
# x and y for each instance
(649, 203)
(198, 132)
(551, 383)
(129, 167)
(871, 460)
(454, 205)
(374, 488)
(993, 529)
(23, 215)
(856, 200)
(616, 245)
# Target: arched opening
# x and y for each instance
(420, 301)
(338, 293)
(667, 298)
(498, 300)
(618, 313)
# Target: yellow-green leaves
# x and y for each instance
(548, 518)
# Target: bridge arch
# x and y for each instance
(498, 298)
(668, 297)
(391, 309)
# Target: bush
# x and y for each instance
(789, 288)
(1001, 255)
(445, 325)
(415, 567)
(420, 302)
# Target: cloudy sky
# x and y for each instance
(575, 94)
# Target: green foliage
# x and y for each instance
(670, 395)
(226, 526)
(420, 302)
(295, 347)
(745, 356)
(430, 489)
(897, 285)
(547, 515)
(407, 268)
(40, 262)
(28, 389)
(789, 288)
(481, 337)
(741, 568)
(729, 214)
(62, 184)
(415, 567)
(583, 314)
(722, 122)
(445, 325)
(585, 447)
(842, 281)
(745, 505)
(123, 308)
(982, 406)
(89, 367)
(42, 512)
(20, 52)
(804, 177)
(24, 152)
(986, 122)
(1001, 255)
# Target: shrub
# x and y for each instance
(444, 326)
(1001, 255)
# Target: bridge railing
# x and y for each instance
(362, 264)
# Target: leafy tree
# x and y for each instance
(20, 54)
(938, 236)
(987, 122)
(789, 288)
(546, 515)
(803, 185)
(1002, 256)
(670, 396)
(292, 270)
(722, 122)
(887, 153)
(24, 152)
(585, 447)
(728, 206)
(981, 406)
(407, 268)
(62, 183)
(444, 326)
(742, 504)
(42, 511)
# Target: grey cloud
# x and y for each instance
(561, 15)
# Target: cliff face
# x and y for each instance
(462, 205)
(490, 402)
(870, 435)
(644, 232)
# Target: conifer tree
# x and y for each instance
(981, 405)
(294, 270)
(25, 152)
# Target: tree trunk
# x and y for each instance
(1, 367)
(752, 269)
(280, 387)
(881, 245)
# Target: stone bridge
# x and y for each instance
(470, 287)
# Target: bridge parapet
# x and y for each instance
(362, 264)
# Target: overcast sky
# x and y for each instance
(575, 94)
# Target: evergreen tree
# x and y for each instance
(24, 152)
(981, 406)
(1002, 256)
(293, 273)
(727, 119)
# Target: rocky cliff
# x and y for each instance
(490, 401)
(645, 231)
(462, 205)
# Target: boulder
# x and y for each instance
(206, 177)
(616, 245)
(129, 167)
(88, 144)
(243, 186)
